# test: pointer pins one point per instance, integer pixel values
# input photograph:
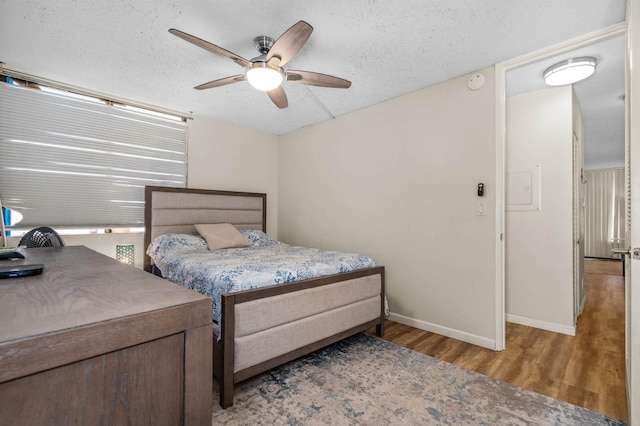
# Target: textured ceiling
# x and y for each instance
(386, 48)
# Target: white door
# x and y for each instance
(632, 234)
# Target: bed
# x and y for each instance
(262, 328)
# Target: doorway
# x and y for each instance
(558, 132)
(513, 69)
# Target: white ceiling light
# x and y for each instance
(570, 71)
(264, 77)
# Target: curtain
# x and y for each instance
(604, 212)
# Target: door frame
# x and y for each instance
(579, 295)
(501, 70)
(632, 148)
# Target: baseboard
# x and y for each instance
(544, 325)
(444, 331)
(584, 301)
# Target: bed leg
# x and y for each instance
(226, 391)
(228, 350)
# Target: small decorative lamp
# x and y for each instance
(124, 253)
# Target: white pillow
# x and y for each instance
(222, 235)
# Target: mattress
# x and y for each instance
(186, 260)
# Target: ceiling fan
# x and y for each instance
(265, 72)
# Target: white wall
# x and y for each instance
(398, 181)
(539, 244)
(229, 157)
(603, 165)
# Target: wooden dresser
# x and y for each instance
(92, 341)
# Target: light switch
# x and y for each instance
(482, 209)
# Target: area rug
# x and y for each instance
(364, 380)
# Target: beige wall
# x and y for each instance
(539, 244)
(398, 181)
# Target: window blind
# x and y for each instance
(77, 162)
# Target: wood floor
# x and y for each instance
(585, 370)
(603, 266)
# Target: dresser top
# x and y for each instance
(80, 287)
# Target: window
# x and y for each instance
(71, 160)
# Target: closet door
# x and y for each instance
(579, 298)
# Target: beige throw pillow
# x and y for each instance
(222, 235)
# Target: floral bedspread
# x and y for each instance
(187, 261)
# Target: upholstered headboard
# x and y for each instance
(177, 210)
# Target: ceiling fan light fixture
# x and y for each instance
(265, 72)
(264, 77)
(570, 71)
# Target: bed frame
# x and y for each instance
(266, 327)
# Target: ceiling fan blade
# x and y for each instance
(317, 79)
(290, 42)
(210, 47)
(221, 82)
(278, 97)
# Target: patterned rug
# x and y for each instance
(368, 381)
